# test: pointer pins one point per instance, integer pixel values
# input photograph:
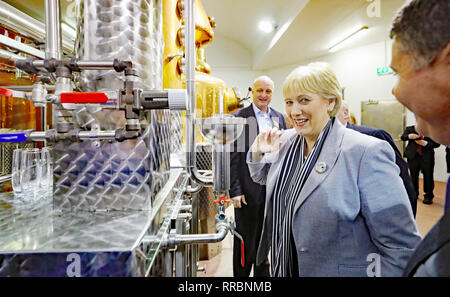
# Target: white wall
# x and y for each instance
(231, 62)
(356, 69)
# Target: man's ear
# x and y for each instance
(443, 56)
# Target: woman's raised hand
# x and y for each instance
(266, 142)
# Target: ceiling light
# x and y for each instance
(266, 26)
(350, 37)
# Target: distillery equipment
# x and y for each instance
(123, 113)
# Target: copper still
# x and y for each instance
(208, 87)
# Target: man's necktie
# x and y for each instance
(419, 149)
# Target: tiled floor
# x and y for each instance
(427, 215)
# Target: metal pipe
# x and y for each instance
(190, 83)
(15, 19)
(28, 88)
(177, 239)
(95, 65)
(44, 121)
(221, 167)
(181, 251)
(5, 178)
(190, 89)
(39, 64)
(194, 190)
(53, 44)
(82, 65)
(38, 136)
(21, 22)
(9, 42)
(168, 263)
(97, 135)
(82, 135)
(194, 230)
(9, 56)
(186, 208)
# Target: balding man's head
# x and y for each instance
(263, 78)
(343, 113)
(262, 92)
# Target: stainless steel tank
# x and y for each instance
(111, 175)
(125, 29)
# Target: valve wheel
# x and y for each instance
(222, 200)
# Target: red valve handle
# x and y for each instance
(222, 200)
(6, 92)
(86, 97)
(242, 254)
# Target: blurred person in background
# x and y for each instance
(419, 153)
(248, 196)
(343, 117)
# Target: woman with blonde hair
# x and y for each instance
(335, 204)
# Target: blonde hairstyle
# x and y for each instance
(316, 78)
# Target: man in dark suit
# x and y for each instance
(249, 197)
(420, 155)
(343, 117)
(421, 58)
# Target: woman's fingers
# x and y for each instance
(276, 135)
(265, 135)
(273, 135)
(267, 140)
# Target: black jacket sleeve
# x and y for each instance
(405, 134)
(431, 143)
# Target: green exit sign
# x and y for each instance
(384, 70)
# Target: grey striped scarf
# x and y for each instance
(293, 175)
